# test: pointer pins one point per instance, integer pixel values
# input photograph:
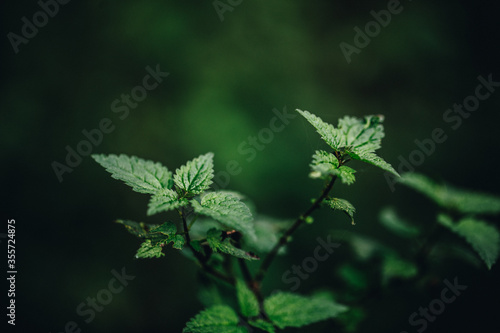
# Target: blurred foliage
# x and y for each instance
(225, 80)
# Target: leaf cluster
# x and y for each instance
(187, 192)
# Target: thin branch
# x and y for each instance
(201, 258)
(285, 237)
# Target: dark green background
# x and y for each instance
(225, 79)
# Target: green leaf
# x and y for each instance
(328, 133)
(165, 200)
(325, 164)
(144, 176)
(352, 134)
(139, 229)
(345, 174)
(196, 175)
(343, 205)
(249, 305)
(156, 236)
(216, 319)
(393, 222)
(323, 157)
(395, 267)
(358, 138)
(263, 325)
(449, 197)
(375, 160)
(484, 238)
(227, 209)
(291, 310)
(178, 242)
(167, 229)
(225, 246)
(361, 135)
(167, 233)
(148, 250)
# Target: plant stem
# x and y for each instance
(200, 257)
(285, 237)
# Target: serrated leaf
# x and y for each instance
(216, 319)
(358, 138)
(165, 200)
(389, 219)
(178, 242)
(395, 267)
(484, 238)
(325, 164)
(263, 325)
(464, 201)
(352, 134)
(148, 250)
(139, 229)
(328, 133)
(323, 157)
(292, 310)
(167, 229)
(227, 209)
(218, 245)
(166, 233)
(249, 306)
(345, 174)
(144, 176)
(343, 205)
(196, 175)
(375, 160)
(361, 135)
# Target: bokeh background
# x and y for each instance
(226, 77)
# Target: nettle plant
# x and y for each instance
(216, 228)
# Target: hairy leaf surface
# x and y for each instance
(343, 205)
(325, 164)
(142, 175)
(165, 200)
(148, 250)
(357, 138)
(375, 160)
(216, 319)
(292, 310)
(196, 175)
(227, 209)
